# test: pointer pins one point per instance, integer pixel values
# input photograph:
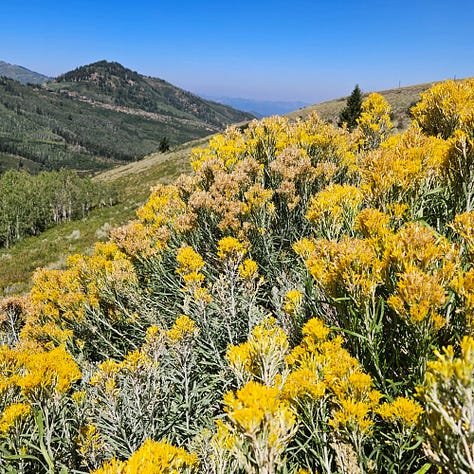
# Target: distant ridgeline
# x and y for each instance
(31, 204)
(99, 116)
(22, 74)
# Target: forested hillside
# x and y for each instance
(30, 204)
(111, 83)
(99, 120)
(301, 303)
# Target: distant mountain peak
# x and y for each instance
(98, 116)
(22, 74)
(98, 72)
(110, 83)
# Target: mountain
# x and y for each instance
(21, 74)
(111, 84)
(260, 108)
(98, 116)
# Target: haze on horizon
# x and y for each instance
(305, 50)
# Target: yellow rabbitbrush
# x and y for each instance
(358, 244)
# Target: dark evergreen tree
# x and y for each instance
(351, 112)
(164, 145)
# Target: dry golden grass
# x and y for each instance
(401, 99)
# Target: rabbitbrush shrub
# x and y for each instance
(303, 302)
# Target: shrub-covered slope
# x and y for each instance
(281, 310)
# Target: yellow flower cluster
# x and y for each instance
(423, 264)
(189, 261)
(257, 408)
(333, 208)
(89, 440)
(332, 150)
(463, 225)
(228, 182)
(153, 457)
(318, 371)
(190, 265)
(446, 107)
(259, 424)
(257, 197)
(426, 265)
(374, 225)
(248, 269)
(292, 302)
(226, 150)
(183, 329)
(262, 356)
(402, 169)
(449, 367)
(162, 215)
(230, 248)
(401, 409)
(33, 370)
(110, 370)
(463, 285)
(374, 122)
(417, 245)
(323, 368)
(314, 331)
(59, 297)
(350, 267)
(447, 396)
(11, 415)
(353, 415)
(418, 297)
(304, 248)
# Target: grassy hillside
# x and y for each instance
(401, 100)
(94, 122)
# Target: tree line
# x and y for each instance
(30, 204)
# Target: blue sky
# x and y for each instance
(272, 50)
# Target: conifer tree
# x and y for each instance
(164, 145)
(351, 112)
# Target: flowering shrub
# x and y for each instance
(153, 457)
(448, 396)
(280, 310)
(374, 121)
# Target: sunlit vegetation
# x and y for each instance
(30, 204)
(130, 184)
(301, 303)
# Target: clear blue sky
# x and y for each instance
(275, 50)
